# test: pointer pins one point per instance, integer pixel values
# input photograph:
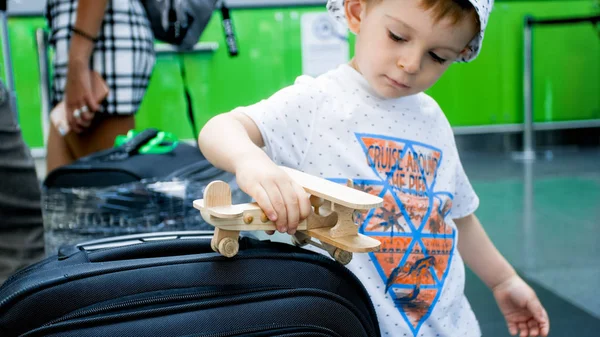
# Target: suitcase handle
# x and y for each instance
(149, 250)
(171, 246)
(118, 244)
(149, 245)
(129, 145)
(135, 142)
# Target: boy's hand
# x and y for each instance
(282, 199)
(521, 308)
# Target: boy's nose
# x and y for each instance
(411, 64)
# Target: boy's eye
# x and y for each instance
(437, 58)
(395, 37)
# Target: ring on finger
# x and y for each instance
(85, 109)
(77, 113)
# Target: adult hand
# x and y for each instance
(80, 104)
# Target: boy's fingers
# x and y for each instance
(524, 330)
(545, 330)
(540, 317)
(512, 329)
(544, 316)
(545, 324)
(278, 205)
(262, 198)
(303, 201)
(535, 307)
(533, 328)
(291, 205)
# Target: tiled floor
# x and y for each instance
(545, 218)
(566, 319)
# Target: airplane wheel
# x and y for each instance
(229, 247)
(342, 256)
(213, 245)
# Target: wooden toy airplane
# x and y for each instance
(330, 221)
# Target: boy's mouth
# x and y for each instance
(396, 83)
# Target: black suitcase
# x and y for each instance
(172, 284)
(127, 163)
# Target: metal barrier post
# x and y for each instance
(528, 153)
(10, 83)
(528, 134)
(41, 37)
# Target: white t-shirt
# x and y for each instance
(402, 150)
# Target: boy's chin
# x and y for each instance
(387, 92)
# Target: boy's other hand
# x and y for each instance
(282, 199)
(521, 308)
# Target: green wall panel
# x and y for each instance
(269, 59)
(567, 70)
(489, 90)
(164, 105)
(26, 76)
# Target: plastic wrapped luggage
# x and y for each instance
(145, 184)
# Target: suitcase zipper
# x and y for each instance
(246, 296)
(300, 330)
(154, 300)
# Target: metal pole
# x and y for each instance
(528, 218)
(528, 132)
(10, 83)
(42, 48)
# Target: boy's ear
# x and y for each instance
(354, 14)
(465, 52)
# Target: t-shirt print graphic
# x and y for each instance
(416, 243)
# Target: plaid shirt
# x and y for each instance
(123, 54)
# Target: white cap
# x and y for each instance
(482, 7)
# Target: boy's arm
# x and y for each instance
(233, 142)
(284, 122)
(480, 254)
(229, 139)
(517, 301)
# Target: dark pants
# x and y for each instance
(21, 227)
(19, 248)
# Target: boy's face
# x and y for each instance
(400, 49)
